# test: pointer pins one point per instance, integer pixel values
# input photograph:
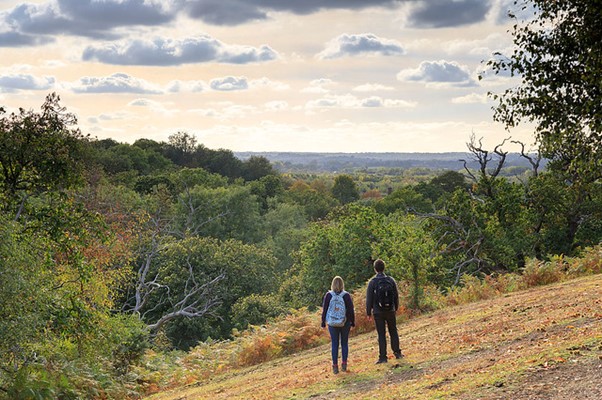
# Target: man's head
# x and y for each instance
(379, 265)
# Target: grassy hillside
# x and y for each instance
(544, 343)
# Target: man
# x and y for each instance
(382, 301)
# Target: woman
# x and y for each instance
(338, 314)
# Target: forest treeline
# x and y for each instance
(109, 249)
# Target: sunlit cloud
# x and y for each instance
(372, 87)
(116, 83)
(438, 72)
(166, 52)
(16, 82)
(229, 83)
(472, 98)
(350, 101)
(348, 45)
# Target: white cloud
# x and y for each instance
(317, 86)
(178, 86)
(350, 101)
(15, 82)
(438, 72)
(116, 83)
(361, 44)
(277, 105)
(166, 52)
(229, 83)
(372, 87)
(269, 84)
(472, 98)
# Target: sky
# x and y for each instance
(265, 75)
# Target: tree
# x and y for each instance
(257, 167)
(410, 253)
(39, 151)
(345, 190)
(558, 57)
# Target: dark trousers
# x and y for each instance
(339, 335)
(382, 321)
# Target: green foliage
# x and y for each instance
(404, 199)
(556, 56)
(344, 189)
(39, 151)
(339, 246)
(224, 213)
(196, 260)
(256, 310)
(317, 203)
(410, 253)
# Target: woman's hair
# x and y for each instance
(337, 285)
(379, 265)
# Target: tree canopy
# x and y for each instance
(558, 57)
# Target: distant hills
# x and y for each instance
(349, 162)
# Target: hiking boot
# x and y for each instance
(335, 369)
(399, 355)
(381, 361)
(344, 367)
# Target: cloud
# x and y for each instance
(317, 86)
(447, 13)
(366, 43)
(269, 84)
(116, 83)
(16, 39)
(15, 82)
(350, 101)
(220, 12)
(234, 12)
(438, 72)
(34, 24)
(229, 83)
(372, 87)
(500, 10)
(90, 18)
(472, 98)
(178, 86)
(167, 52)
(277, 105)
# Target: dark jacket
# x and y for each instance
(349, 312)
(372, 306)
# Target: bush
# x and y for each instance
(256, 310)
(538, 273)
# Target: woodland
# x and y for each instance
(112, 251)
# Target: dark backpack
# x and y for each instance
(384, 293)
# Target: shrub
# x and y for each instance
(590, 262)
(538, 273)
(256, 310)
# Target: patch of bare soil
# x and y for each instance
(578, 378)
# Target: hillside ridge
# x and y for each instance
(542, 343)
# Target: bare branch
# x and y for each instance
(534, 161)
(197, 302)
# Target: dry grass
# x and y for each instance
(486, 349)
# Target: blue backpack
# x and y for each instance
(336, 314)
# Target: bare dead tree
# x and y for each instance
(197, 298)
(533, 160)
(484, 157)
(458, 238)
